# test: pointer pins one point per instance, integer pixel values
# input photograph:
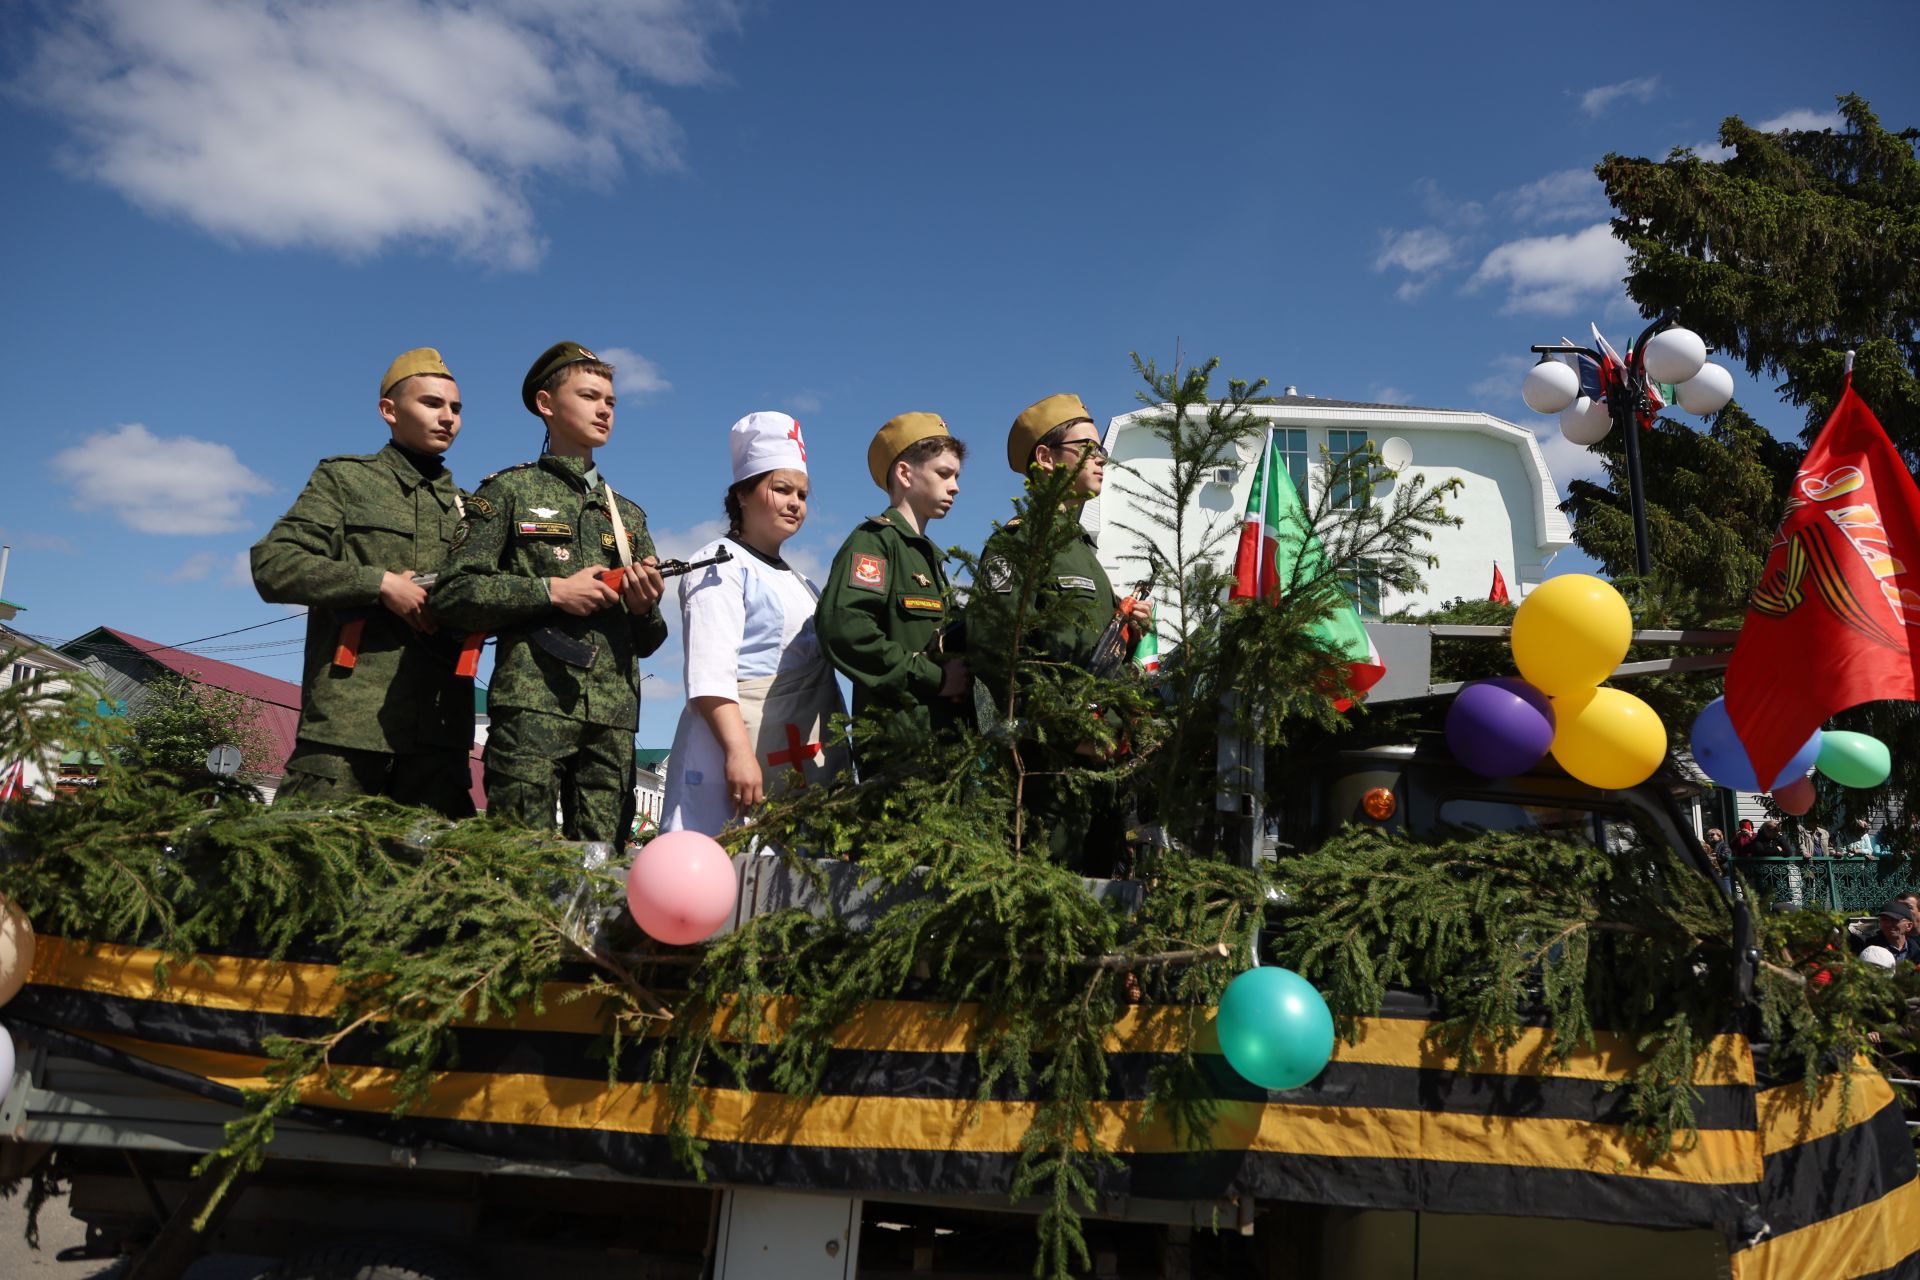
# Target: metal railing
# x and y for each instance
(1851, 884)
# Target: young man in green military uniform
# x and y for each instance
(1057, 432)
(382, 711)
(885, 602)
(528, 566)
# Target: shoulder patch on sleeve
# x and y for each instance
(998, 574)
(479, 506)
(867, 572)
(460, 536)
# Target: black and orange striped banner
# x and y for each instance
(1799, 1184)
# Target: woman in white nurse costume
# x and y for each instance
(759, 691)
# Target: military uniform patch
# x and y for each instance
(562, 554)
(925, 604)
(543, 529)
(479, 506)
(869, 573)
(998, 573)
(460, 537)
(1074, 582)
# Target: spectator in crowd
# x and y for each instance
(1815, 842)
(1719, 856)
(1912, 899)
(1770, 843)
(1744, 840)
(1860, 842)
(1895, 929)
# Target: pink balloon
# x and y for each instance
(1796, 797)
(681, 887)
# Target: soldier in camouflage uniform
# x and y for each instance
(885, 604)
(565, 697)
(386, 716)
(1084, 831)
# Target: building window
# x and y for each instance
(1362, 585)
(1293, 452)
(21, 671)
(1351, 484)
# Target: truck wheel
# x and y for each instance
(371, 1259)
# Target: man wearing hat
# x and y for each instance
(1052, 434)
(885, 603)
(382, 710)
(1895, 929)
(529, 565)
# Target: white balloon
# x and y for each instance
(1706, 392)
(1550, 387)
(6, 1064)
(1674, 355)
(16, 949)
(1587, 422)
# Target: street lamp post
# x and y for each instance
(1627, 389)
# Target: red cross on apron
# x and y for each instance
(796, 752)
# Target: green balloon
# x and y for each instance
(1274, 1028)
(1854, 759)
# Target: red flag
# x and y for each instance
(1831, 624)
(1499, 593)
(1253, 569)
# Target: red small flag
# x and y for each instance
(1499, 593)
(1831, 624)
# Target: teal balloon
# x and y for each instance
(1274, 1028)
(1854, 759)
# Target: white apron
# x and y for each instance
(786, 717)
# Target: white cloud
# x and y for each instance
(1422, 253)
(354, 125)
(239, 571)
(1501, 387)
(155, 484)
(1566, 460)
(1554, 274)
(633, 374)
(195, 568)
(805, 402)
(1444, 208)
(1596, 101)
(26, 540)
(1391, 395)
(1567, 196)
(678, 544)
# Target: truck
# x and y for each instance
(1394, 1164)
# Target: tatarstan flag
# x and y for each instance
(1834, 620)
(1274, 539)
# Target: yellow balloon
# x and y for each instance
(1607, 738)
(16, 950)
(1570, 633)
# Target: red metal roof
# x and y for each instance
(276, 702)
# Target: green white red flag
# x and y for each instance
(1274, 539)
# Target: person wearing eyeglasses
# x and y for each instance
(1083, 830)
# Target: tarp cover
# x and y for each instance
(1799, 1185)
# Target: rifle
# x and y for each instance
(1114, 650)
(582, 653)
(353, 627)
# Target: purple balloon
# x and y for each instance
(1498, 728)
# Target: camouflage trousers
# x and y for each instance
(537, 762)
(320, 774)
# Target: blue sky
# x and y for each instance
(223, 219)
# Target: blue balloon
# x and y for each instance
(1274, 1028)
(1718, 751)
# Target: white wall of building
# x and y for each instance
(1508, 503)
(21, 661)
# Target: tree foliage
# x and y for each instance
(177, 722)
(1798, 246)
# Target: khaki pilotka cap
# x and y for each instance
(1035, 421)
(551, 361)
(892, 440)
(408, 363)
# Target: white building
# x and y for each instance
(1508, 502)
(24, 659)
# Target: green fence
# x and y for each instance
(1856, 885)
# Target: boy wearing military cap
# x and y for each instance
(382, 710)
(528, 565)
(1058, 432)
(885, 600)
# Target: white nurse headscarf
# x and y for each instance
(762, 442)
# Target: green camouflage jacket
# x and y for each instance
(884, 600)
(1071, 635)
(527, 524)
(360, 516)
